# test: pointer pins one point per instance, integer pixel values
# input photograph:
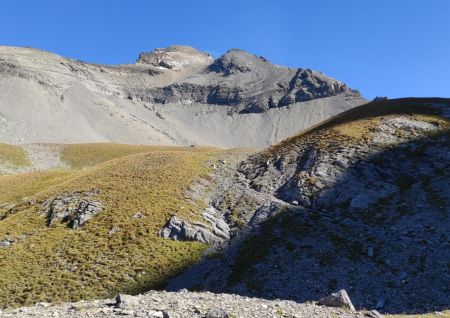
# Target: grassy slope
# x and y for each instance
(360, 119)
(56, 264)
(13, 156)
(14, 189)
(87, 155)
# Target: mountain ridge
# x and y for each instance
(196, 100)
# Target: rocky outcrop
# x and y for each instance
(72, 208)
(182, 304)
(216, 231)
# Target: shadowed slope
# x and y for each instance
(360, 202)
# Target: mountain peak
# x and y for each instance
(237, 61)
(174, 57)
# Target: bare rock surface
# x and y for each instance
(174, 57)
(72, 208)
(182, 304)
(171, 96)
(214, 230)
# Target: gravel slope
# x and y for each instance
(183, 305)
(174, 96)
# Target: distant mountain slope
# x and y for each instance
(359, 202)
(172, 96)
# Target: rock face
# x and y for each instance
(182, 305)
(359, 203)
(251, 84)
(179, 230)
(177, 96)
(72, 208)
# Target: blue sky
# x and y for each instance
(391, 48)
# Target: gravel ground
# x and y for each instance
(182, 304)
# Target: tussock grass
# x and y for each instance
(60, 264)
(87, 155)
(13, 188)
(13, 156)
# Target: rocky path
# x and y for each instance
(183, 304)
(44, 156)
(40, 156)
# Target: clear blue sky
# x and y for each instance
(381, 47)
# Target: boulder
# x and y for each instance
(339, 299)
(126, 301)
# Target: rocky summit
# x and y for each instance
(170, 96)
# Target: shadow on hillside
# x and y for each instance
(399, 106)
(393, 255)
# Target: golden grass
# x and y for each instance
(13, 188)
(357, 129)
(60, 264)
(357, 122)
(87, 155)
(13, 156)
(362, 128)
